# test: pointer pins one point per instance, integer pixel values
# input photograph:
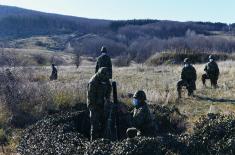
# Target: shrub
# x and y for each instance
(41, 60)
(177, 58)
(122, 61)
(213, 134)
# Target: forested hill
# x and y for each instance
(18, 22)
(138, 39)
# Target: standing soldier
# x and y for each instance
(212, 72)
(53, 73)
(104, 61)
(99, 89)
(141, 119)
(188, 78)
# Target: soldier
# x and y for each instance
(104, 61)
(99, 89)
(141, 119)
(212, 72)
(188, 78)
(53, 73)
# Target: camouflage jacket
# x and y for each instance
(104, 61)
(212, 69)
(142, 119)
(98, 91)
(189, 73)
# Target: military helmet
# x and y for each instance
(211, 57)
(131, 132)
(103, 72)
(140, 94)
(186, 60)
(103, 49)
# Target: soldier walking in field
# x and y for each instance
(54, 75)
(141, 119)
(188, 78)
(212, 72)
(99, 90)
(104, 61)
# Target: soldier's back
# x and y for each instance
(104, 61)
(212, 68)
(188, 73)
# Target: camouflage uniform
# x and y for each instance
(104, 61)
(54, 75)
(99, 89)
(188, 79)
(142, 120)
(212, 73)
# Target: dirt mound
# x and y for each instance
(68, 134)
(57, 134)
(213, 134)
(138, 146)
(168, 120)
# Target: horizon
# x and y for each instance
(183, 12)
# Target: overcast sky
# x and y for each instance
(180, 10)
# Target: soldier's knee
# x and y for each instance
(204, 76)
(179, 84)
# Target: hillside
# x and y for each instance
(136, 40)
(17, 22)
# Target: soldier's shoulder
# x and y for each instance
(92, 80)
(191, 66)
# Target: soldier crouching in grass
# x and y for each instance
(99, 90)
(188, 78)
(212, 72)
(141, 120)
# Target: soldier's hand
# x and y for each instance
(122, 109)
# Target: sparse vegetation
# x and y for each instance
(158, 82)
(146, 54)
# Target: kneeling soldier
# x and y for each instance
(188, 78)
(212, 72)
(142, 121)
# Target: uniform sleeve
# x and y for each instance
(205, 69)
(111, 70)
(109, 90)
(217, 70)
(91, 94)
(139, 118)
(183, 74)
(97, 66)
(194, 74)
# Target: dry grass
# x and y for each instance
(158, 82)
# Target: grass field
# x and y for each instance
(159, 83)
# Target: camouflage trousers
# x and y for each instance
(97, 120)
(213, 80)
(189, 84)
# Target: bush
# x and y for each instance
(122, 61)
(213, 134)
(169, 120)
(41, 60)
(178, 58)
